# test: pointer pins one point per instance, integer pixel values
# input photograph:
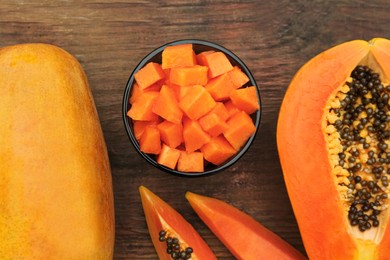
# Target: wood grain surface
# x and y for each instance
(274, 38)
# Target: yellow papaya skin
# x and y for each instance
(56, 199)
(303, 153)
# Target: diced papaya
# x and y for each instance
(181, 55)
(217, 62)
(139, 127)
(238, 77)
(246, 99)
(200, 58)
(221, 111)
(190, 162)
(193, 134)
(187, 76)
(183, 91)
(171, 133)
(166, 105)
(218, 150)
(148, 75)
(141, 109)
(136, 91)
(150, 141)
(240, 128)
(231, 108)
(213, 124)
(197, 102)
(168, 156)
(220, 87)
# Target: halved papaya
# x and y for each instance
(240, 233)
(173, 237)
(333, 141)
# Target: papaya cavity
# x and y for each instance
(357, 131)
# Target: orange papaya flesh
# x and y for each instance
(244, 237)
(333, 143)
(167, 228)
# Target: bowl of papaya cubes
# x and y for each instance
(191, 108)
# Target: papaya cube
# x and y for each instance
(193, 134)
(150, 141)
(141, 109)
(238, 77)
(139, 127)
(217, 62)
(220, 87)
(197, 102)
(168, 156)
(245, 99)
(167, 106)
(240, 128)
(171, 133)
(136, 91)
(181, 55)
(231, 108)
(221, 111)
(190, 162)
(187, 76)
(213, 124)
(200, 58)
(149, 74)
(218, 150)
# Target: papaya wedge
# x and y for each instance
(172, 236)
(240, 233)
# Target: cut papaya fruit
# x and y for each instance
(333, 142)
(240, 233)
(217, 62)
(167, 106)
(168, 156)
(171, 133)
(194, 136)
(217, 150)
(240, 128)
(197, 102)
(220, 87)
(245, 99)
(168, 228)
(148, 75)
(238, 77)
(178, 56)
(190, 162)
(188, 76)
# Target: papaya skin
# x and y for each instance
(304, 157)
(56, 199)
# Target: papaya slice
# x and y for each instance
(173, 237)
(240, 233)
(333, 141)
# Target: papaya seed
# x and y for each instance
(174, 248)
(360, 113)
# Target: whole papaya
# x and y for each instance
(56, 199)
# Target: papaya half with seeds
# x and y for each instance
(56, 199)
(240, 233)
(333, 141)
(172, 236)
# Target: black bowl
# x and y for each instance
(156, 56)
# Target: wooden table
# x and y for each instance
(274, 38)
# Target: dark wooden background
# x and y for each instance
(274, 38)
